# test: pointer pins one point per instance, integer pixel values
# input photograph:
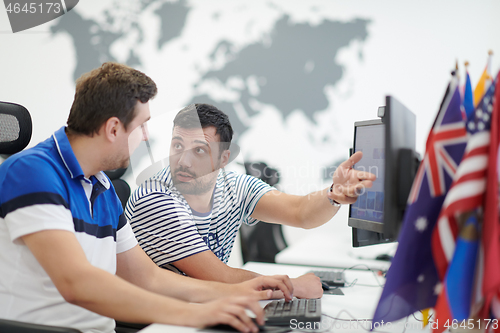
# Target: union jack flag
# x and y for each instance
(444, 134)
(412, 281)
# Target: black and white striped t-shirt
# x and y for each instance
(169, 230)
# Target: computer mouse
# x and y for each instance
(384, 257)
(325, 285)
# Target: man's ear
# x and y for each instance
(224, 160)
(111, 128)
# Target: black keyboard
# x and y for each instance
(331, 278)
(281, 313)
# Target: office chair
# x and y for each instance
(262, 241)
(15, 128)
(122, 188)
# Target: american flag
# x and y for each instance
(412, 279)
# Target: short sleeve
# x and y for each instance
(164, 228)
(33, 198)
(249, 190)
(125, 238)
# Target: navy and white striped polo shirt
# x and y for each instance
(169, 230)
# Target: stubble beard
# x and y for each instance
(115, 162)
(197, 186)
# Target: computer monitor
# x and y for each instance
(388, 146)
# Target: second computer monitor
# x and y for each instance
(388, 146)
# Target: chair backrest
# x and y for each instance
(262, 171)
(11, 326)
(122, 188)
(262, 241)
(15, 128)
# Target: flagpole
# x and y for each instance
(488, 64)
(455, 73)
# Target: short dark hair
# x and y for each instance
(206, 115)
(111, 90)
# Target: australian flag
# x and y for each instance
(412, 282)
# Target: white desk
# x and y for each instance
(318, 248)
(358, 302)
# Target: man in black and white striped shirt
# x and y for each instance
(187, 215)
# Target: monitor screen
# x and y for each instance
(369, 139)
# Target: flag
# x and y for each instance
(484, 81)
(412, 280)
(468, 100)
(491, 228)
(469, 185)
(456, 298)
(460, 275)
(461, 212)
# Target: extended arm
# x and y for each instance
(312, 210)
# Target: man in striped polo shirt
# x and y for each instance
(68, 256)
(187, 215)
